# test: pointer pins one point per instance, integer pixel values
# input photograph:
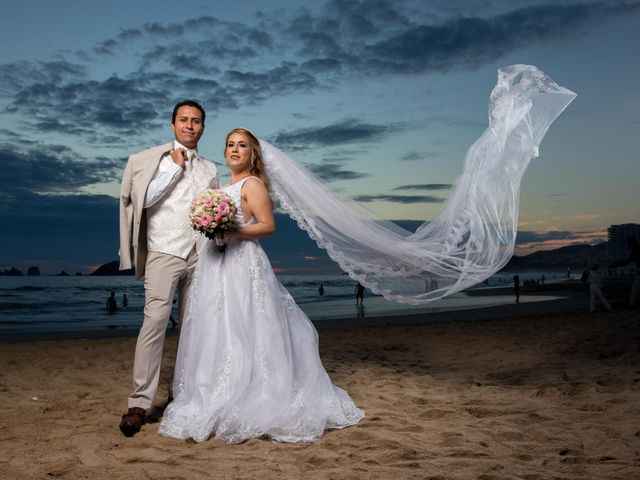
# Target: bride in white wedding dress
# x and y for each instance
(248, 363)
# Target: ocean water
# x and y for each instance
(51, 304)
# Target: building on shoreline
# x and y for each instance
(617, 239)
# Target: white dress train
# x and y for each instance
(248, 363)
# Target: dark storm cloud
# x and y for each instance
(413, 156)
(99, 111)
(106, 47)
(404, 199)
(43, 209)
(334, 171)
(14, 76)
(193, 63)
(229, 64)
(52, 168)
(205, 36)
(168, 30)
(201, 56)
(346, 131)
(469, 42)
(344, 156)
(525, 236)
(24, 206)
(425, 186)
(256, 87)
(73, 228)
(396, 38)
(322, 65)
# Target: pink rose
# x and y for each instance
(208, 203)
(223, 208)
(205, 220)
(218, 217)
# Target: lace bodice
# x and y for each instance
(234, 191)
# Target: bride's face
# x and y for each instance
(238, 152)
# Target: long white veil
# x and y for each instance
(470, 239)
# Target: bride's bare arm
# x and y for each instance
(257, 204)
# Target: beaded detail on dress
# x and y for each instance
(248, 357)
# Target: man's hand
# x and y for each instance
(179, 156)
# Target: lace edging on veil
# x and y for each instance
(473, 235)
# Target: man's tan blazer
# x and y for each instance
(133, 222)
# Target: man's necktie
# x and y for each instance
(191, 157)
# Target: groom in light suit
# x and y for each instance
(156, 238)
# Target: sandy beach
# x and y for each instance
(517, 395)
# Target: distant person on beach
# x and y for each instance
(125, 300)
(634, 258)
(516, 287)
(174, 324)
(584, 278)
(321, 290)
(112, 305)
(595, 289)
(359, 294)
(157, 240)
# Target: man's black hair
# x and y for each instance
(188, 103)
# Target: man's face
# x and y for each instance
(188, 126)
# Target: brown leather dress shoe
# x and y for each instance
(132, 421)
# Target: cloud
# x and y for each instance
(192, 63)
(344, 156)
(91, 108)
(463, 42)
(334, 171)
(256, 87)
(404, 199)
(425, 186)
(527, 241)
(413, 156)
(408, 199)
(397, 38)
(343, 132)
(75, 229)
(289, 53)
(322, 65)
(16, 75)
(52, 168)
(525, 236)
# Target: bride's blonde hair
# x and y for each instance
(257, 164)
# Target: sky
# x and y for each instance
(381, 98)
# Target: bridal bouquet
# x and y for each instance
(213, 212)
